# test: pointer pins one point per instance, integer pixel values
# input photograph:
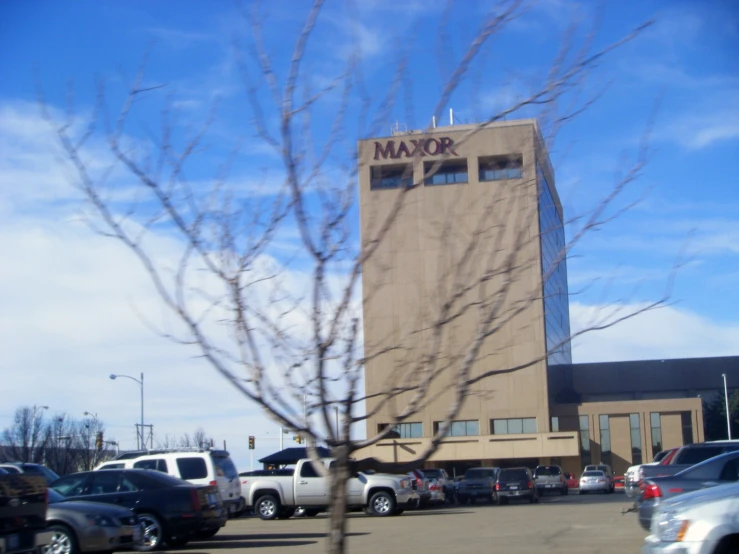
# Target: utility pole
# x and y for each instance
(728, 413)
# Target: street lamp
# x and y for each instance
(141, 385)
(726, 399)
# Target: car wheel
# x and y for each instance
(267, 507)
(382, 504)
(286, 513)
(153, 532)
(564, 490)
(63, 541)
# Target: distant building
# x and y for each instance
(552, 411)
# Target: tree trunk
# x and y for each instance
(339, 476)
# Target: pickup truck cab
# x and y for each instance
(278, 496)
(686, 457)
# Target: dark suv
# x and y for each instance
(515, 482)
(478, 482)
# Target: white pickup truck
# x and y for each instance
(275, 496)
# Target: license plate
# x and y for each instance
(550, 486)
(513, 488)
(212, 499)
(517, 493)
(13, 542)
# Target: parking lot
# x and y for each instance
(566, 524)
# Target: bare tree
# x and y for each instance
(24, 440)
(199, 439)
(287, 331)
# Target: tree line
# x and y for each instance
(66, 444)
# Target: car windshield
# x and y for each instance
(225, 464)
(433, 473)
(593, 474)
(479, 474)
(55, 497)
(543, 471)
(513, 475)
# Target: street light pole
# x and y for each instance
(726, 399)
(142, 445)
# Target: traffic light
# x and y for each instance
(298, 439)
(99, 441)
(251, 442)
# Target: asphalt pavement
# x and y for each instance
(569, 524)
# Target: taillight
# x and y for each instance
(213, 483)
(652, 491)
(531, 484)
(434, 487)
(497, 486)
(195, 499)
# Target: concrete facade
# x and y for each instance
(475, 215)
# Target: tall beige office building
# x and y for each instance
(479, 220)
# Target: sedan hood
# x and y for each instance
(97, 508)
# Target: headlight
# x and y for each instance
(670, 527)
(405, 484)
(101, 520)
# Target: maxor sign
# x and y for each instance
(412, 147)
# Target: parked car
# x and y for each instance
(515, 482)
(199, 466)
(478, 482)
(27, 467)
(550, 478)
(606, 469)
(714, 471)
(422, 485)
(378, 494)
(22, 513)
(440, 485)
(79, 526)
(631, 477)
(687, 456)
(170, 510)
(700, 522)
(595, 481)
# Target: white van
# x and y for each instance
(198, 466)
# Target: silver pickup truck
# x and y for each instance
(274, 497)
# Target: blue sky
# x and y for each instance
(70, 297)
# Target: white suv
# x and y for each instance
(197, 466)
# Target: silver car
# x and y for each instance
(700, 522)
(79, 526)
(594, 481)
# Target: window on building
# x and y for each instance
(516, 426)
(391, 176)
(687, 421)
(656, 426)
(403, 430)
(467, 428)
(605, 441)
(555, 424)
(634, 424)
(497, 168)
(585, 439)
(447, 173)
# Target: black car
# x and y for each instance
(515, 482)
(169, 509)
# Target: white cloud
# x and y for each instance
(668, 332)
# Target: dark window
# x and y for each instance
(150, 480)
(585, 439)
(155, 465)
(687, 423)
(605, 440)
(391, 176)
(404, 430)
(224, 466)
(692, 456)
(513, 426)
(74, 485)
(480, 474)
(635, 425)
(11, 469)
(543, 471)
(507, 475)
(307, 470)
(113, 466)
(127, 486)
(192, 468)
(104, 482)
(730, 471)
(446, 173)
(555, 424)
(496, 168)
(655, 424)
